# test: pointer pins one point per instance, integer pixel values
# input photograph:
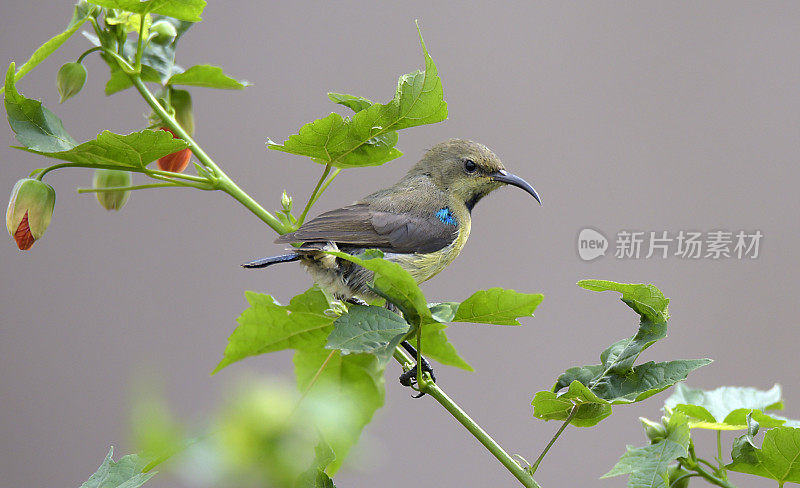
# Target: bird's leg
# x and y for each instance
(409, 378)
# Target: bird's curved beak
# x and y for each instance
(504, 176)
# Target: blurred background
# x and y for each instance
(650, 116)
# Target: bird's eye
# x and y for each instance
(470, 166)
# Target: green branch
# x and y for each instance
(553, 440)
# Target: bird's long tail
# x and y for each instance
(264, 262)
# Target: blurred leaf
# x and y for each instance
(497, 306)
(207, 76)
(356, 104)
(125, 473)
(79, 16)
(727, 407)
(370, 329)
(777, 458)
(369, 136)
(134, 150)
(189, 10)
(267, 326)
(36, 127)
(315, 477)
(354, 383)
(648, 466)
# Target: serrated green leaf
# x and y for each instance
(354, 103)
(189, 10)
(125, 473)
(727, 407)
(369, 136)
(134, 150)
(393, 283)
(646, 300)
(497, 306)
(354, 382)
(777, 459)
(207, 76)
(436, 345)
(548, 405)
(266, 326)
(368, 329)
(648, 466)
(79, 16)
(35, 126)
(315, 477)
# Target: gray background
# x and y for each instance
(646, 116)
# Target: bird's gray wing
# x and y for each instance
(361, 225)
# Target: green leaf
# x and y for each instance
(369, 136)
(134, 150)
(207, 76)
(267, 326)
(368, 329)
(189, 10)
(646, 300)
(435, 345)
(35, 127)
(393, 283)
(354, 382)
(616, 381)
(125, 473)
(79, 16)
(356, 104)
(315, 477)
(648, 466)
(497, 306)
(777, 458)
(727, 407)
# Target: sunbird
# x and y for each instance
(421, 223)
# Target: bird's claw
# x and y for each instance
(409, 378)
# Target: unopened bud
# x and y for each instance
(112, 178)
(164, 31)
(30, 209)
(181, 102)
(286, 202)
(655, 431)
(70, 80)
(177, 161)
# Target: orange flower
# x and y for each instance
(177, 161)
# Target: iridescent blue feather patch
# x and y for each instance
(446, 216)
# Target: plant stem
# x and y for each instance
(139, 51)
(88, 52)
(127, 188)
(558, 433)
(711, 478)
(223, 182)
(432, 389)
(687, 475)
(313, 197)
(721, 470)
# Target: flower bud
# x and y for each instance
(164, 31)
(655, 431)
(286, 202)
(177, 161)
(70, 80)
(30, 209)
(112, 178)
(181, 102)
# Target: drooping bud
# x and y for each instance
(177, 161)
(112, 178)
(70, 80)
(181, 102)
(164, 31)
(30, 209)
(655, 431)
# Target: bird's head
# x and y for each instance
(467, 170)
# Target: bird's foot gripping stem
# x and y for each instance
(409, 378)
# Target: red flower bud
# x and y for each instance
(177, 161)
(30, 209)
